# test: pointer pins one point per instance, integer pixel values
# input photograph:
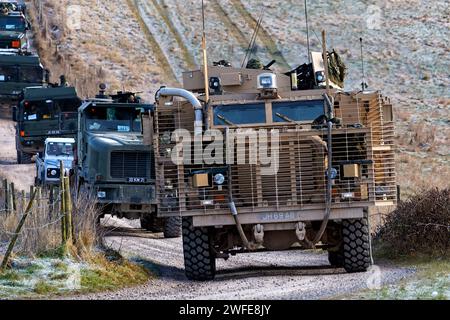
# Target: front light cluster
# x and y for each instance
(53, 173)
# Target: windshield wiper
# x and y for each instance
(228, 122)
(286, 118)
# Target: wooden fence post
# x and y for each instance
(62, 204)
(5, 188)
(13, 197)
(68, 207)
(17, 232)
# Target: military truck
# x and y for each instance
(42, 112)
(14, 27)
(18, 71)
(114, 164)
(255, 160)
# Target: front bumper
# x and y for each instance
(125, 194)
(278, 217)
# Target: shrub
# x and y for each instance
(420, 225)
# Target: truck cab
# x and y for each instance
(43, 112)
(14, 28)
(19, 71)
(115, 166)
(48, 169)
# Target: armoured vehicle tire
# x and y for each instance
(172, 227)
(23, 158)
(148, 223)
(336, 259)
(199, 260)
(356, 245)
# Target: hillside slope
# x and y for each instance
(143, 44)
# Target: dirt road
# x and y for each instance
(275, 275)
(21, 175)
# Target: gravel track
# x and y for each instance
(268, 275)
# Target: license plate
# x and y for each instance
(137, 180)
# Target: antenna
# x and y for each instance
(364, 85)
(251, 45)
(307, 31)
(205, 56)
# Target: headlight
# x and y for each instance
(101, 194)
(53, 172)
(320, 76)
(347, 195)
(219, 179)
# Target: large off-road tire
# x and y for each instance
(199, 259)
(172, 227)
(356, 245)
(148, 223)
(23, 157)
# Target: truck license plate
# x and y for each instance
(137, 180)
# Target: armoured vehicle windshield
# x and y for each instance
(13, 23)
(113, 119)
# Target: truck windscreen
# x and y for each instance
(9, 23)
(26, 74)
(48, 109)
(297, 110)
(113, 119)
(239, 114)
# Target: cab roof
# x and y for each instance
(44, 93)
(64, 140)
(18, 59)
(111, 103)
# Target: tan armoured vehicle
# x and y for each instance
(265, 161)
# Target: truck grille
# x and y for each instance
(130, 165)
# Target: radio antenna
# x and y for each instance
(251, 45)
(364, 85)
(205, 56)
(307, 31)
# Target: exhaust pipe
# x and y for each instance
(189, 96)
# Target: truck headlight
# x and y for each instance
(101, 194)
(219, 179)
(347, 195)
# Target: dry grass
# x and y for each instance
(41, 234)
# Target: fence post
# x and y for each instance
(5, 188)
(62, 204)
(68, 207)
(24, 201)
(51, 201)
(13, 197)
(17, 232)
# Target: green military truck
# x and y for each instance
(44, 112)
(114, 163)
(13, 30)
(18, 71)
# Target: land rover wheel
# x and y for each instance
(356, 245)
(172, 227)
(148, 223)
(199, 260)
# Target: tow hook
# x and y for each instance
(300, 231)
(258, 233)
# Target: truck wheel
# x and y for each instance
(336, 259)
(148, 223)
(172, 227)
(199, 260)
(356, 247)
(23, 158)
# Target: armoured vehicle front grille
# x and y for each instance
(130, 165)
